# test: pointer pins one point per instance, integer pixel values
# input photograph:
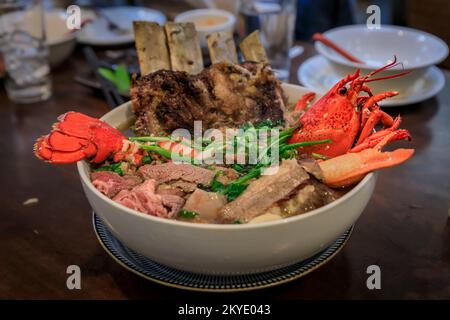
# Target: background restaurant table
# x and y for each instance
(405, 228)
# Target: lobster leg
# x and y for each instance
(372, 141)
(375, 114)
(351, 167)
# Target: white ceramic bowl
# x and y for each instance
(226, 249)
(417, 50)
(227, 25)
(60, 43)
(97, 33)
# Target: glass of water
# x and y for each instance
(276, 21)
(24, 50)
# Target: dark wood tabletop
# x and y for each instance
(405, 228)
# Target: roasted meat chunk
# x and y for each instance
(223, 95)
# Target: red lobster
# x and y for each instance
(348, 120)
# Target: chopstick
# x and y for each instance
(320, 37)
(112, 95)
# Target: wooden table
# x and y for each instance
(405, 228)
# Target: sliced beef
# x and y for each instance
(223, 95)
(170, 190)
(309, 196)
(206, 204)
(170, 171)
(173, 203)
(264, 192)
(144, 198)
(110, 183)
(184, 186)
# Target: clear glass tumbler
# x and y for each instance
(24, 50)
(276, 21)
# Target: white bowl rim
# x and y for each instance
(231, 19)
(87, 181)
(67, 36)
(320, 47)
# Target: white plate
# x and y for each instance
(96, 33)
(317, 74)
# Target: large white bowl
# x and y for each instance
(226, 249)
(415, 49)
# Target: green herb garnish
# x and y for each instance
(234, 190)
(187, 214)
(237, 222)
(115, 167)
(147, 160)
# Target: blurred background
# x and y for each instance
(316, 15)
(286, 28)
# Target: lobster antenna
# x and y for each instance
(389, 77)
(390, 65)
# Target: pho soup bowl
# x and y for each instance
(415, 50)
(226, 249)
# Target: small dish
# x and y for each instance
(97, 33)
(171, 277)
(318, 74)
(208, 21)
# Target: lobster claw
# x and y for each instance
(351, 167)
(77, 136)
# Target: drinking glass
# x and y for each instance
(276, 21)
(24, 50)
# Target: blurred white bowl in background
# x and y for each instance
(415, 49)
(208, 21)
(60, 42)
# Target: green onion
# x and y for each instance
(306, 144)
(237, 167)
(319, 156)
(149, 139)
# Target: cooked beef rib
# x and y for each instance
(225, 95)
